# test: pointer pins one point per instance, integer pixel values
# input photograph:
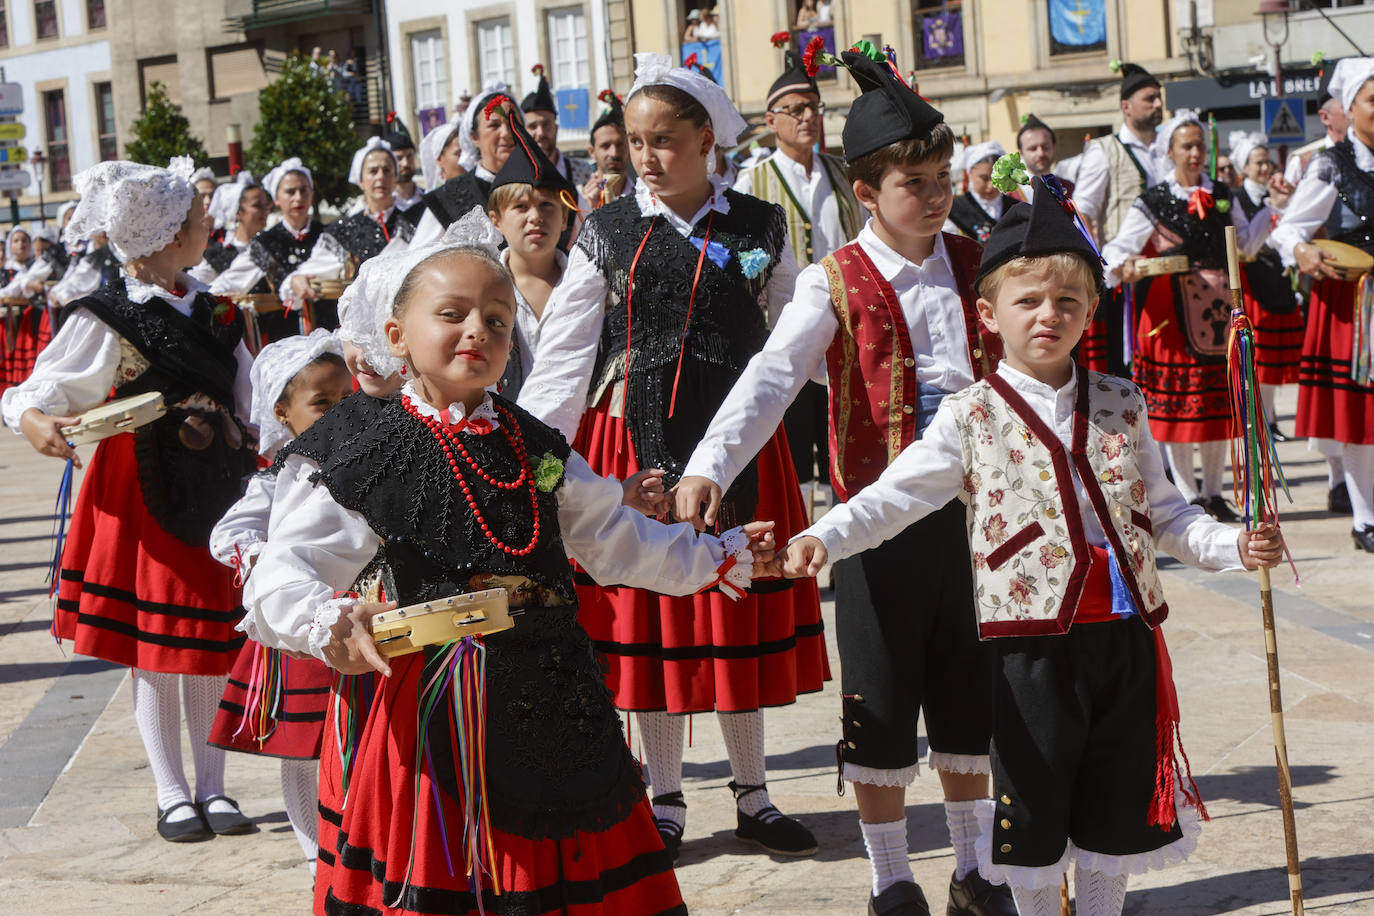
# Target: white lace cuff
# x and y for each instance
(736, 572)
(326, 615)
(872, 776)
(45, 396)
(972, 764)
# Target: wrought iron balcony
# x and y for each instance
(243, 15)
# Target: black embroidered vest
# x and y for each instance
(728, 325)
(972, 220)
(452, 200)
(276, 252)
(1269, 282)
(1204, 240)
(1352, 218)
(193, 460)
(362, 236)
(220, 255)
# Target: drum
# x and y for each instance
(1347, 260)
(410, 629)
(1159, 267)
(121, 416)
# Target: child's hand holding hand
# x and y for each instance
(350, 649)
(643, 491)
(804, 558)
(44, 433)
(1262, 547)
(763, 546)
(688, 496)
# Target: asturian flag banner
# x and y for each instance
(1078, 22)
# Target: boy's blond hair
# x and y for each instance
(508, 195)
(1068, 265)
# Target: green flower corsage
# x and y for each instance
(548, 472)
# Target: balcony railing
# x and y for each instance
(264, 13)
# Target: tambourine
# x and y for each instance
(328, 289)
(1347, 260)
(121, 416)
(258, 302)
(410, 629)
(1159, 267)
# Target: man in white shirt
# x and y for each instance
(1117, 168)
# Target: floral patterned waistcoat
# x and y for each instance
(1029, 550)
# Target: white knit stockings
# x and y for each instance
(299, 790)
(159, 724)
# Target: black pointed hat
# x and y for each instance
(1328, 70)
(1031, 122)
(1133, 78)
(541, 99)
(614, 115)
(397, 134)
(886, 110)
(528, 164)
(794, 79)
(1043, 226)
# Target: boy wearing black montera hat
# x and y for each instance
(891, 318)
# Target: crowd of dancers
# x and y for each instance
(613, 391)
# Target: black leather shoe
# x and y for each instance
(1364, 538)
(771, 829)
(188, 830)
(1275, 434)
(669, 831)
(1338, 499)
(901, 899)
(975, 896)
(228, 823)
(1216, 507)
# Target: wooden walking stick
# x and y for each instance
(1255, 468)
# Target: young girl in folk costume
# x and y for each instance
(137, 584)
(1180, 336)
(666, 297)
(485, 141)
(348, 242)
(1270, 302)
(26, 328)
(275, 704)
(240, 208)
(273, 253)
(1335, 388)
(528, 802)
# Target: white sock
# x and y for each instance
(963, 830)
(1097, 893)
(1181, 462)
(1335, 471)
(743, 734)
(299, 791)
(1043, 901)
(1359, 480)
(1215, 457)
(660, 741)
(159, 724)
(887, 853)
(201, 693)
(1269, 395)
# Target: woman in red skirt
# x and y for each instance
(26, 329)
(666, 297)
(1335, 388)
(137, 584)
(484, 773)
(1180, 340)
(275, 704)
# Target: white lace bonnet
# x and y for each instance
(140, 207)
(471, 155)
(366, 304)
(224, 203)
(204, 173)
(658, 70)
(273, 369)
(1349, 77)
(980, 152)
(1242, 144)
(1164, 137)
(355, 171)
(274, 177)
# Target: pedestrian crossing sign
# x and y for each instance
(1285, 119)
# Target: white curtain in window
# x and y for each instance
(496, 51)
(568, 48)
(430, 69)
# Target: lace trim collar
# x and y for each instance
(456, 411)
(140, 292)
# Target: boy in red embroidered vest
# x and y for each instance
(1066, 502)
(891, 319)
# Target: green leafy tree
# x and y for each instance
(162, 132)
(300, 114)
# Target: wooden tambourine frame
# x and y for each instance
(410, 629)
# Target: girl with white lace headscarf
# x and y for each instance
(240, 209)
(137, 583)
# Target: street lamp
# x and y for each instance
(1275, 16)
(39, 160)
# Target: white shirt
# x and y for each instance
(243, 273)
(77, 370)
(813, 191)
(1090, 191)
(796, 351)
(556, 391)
(315, 547)
(1310, 206)
(38, 270)
(430, 230)
(930, 472)
(242, 531)
(405, 203)
(81, 279)
(205, 271)
(1255, 191)
(528, 325)
(1294, 168)
(1139, 225)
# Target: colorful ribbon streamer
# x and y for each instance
(1362, 348)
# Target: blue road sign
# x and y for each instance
(1285, 119)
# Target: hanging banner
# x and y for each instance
(1078, 22)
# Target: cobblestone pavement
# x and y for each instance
(77, 810)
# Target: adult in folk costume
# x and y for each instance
(981, 205)
(408, 193)
(822, 214)
(610, 156)
(1113, 172)
(239, 208)
(541, 120)
(1035, 141)
(1335, 392)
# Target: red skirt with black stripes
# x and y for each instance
(1187, 398)
(273, 705)
(1331, 405)
(1278, 340)
(131, 593)
(704, 652)
(22, 338)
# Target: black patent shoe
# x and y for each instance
(1338, 499)
(771, 829)
(669, 830)
(901, 899)
(976, 896)
(227, 823)
(1217, 507)
(188, 830)
(1364, 538)
(1276, 434)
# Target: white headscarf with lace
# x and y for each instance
(1242, 144)
(274, 177)
(1164, 137)
(224, 203)
(659, 70)
(355, 171)
(273, 369)
(140, 207)
(431, 145)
